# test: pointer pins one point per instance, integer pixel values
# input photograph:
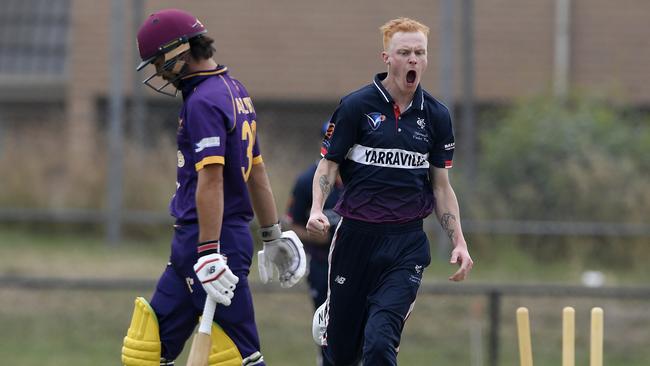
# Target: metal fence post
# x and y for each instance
(114, 179)
(468, 121)
(494, 311)
(138, 102)
(2, 131)
(447, 41)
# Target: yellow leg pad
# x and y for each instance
(142, 342)
(224, 352)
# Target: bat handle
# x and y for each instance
(205, 326)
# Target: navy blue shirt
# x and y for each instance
(384, 154)
(300, 205)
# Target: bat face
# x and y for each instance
(200, 351)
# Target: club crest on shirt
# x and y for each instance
(181, 159)
(375, 119)
(421, 123)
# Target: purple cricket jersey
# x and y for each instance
(385, 154)
(217, 125)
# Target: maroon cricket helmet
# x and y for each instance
(164, 31)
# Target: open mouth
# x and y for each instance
(410, 76)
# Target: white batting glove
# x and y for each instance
(282, 253)
(217, 279)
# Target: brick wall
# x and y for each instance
(304, 50)
(612, 48)
(286, 49)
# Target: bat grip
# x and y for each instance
(205, 326)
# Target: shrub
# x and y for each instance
(583, 160)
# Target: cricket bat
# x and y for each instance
(202, 342)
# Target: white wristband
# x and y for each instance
(272, 232)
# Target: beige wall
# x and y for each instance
(514, 48)
(287, 49)
(612, 48)
(291, 50)
(309, 50)
(88, 70)
(303, 49)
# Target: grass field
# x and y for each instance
(85, 327)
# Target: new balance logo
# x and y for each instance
(340, 280)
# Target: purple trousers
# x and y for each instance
(179, 297)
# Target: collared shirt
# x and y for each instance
(217, 125)
(384, 154)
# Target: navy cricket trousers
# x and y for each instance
(375, 273)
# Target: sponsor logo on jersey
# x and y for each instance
(206, 142)
(325, 147)
(450, 146)
(330, 131)
(389, 158)
(420, 136)
(375, 119)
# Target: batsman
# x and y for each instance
(221, 183)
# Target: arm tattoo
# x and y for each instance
(448, 223)
(325, 186)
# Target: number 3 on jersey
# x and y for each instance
(248, 135)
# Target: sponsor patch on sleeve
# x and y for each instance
(330, 131)
(207, 142)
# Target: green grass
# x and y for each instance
(86, 327)
(80, 255)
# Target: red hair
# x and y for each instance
(402, 24)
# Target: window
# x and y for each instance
(34, 39)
